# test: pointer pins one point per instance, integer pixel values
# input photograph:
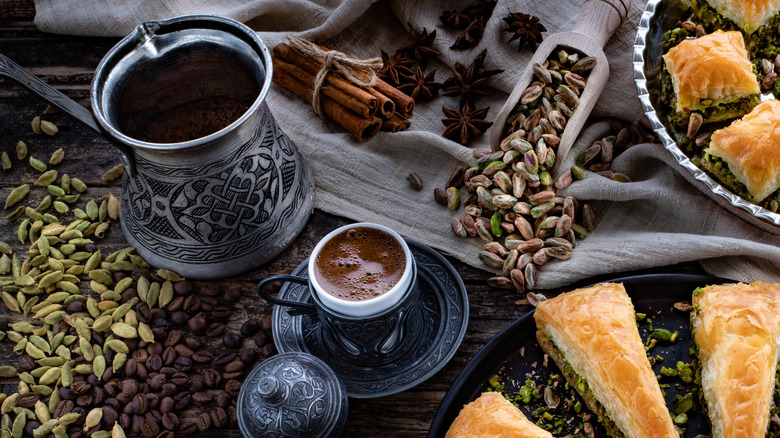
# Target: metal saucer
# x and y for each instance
(445, 314)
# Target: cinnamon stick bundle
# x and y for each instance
(351, 106)
(361, 128)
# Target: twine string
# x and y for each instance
(361, 72)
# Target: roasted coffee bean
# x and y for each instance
(183, 364)
(180, 317)
(219, 417)
(156, 348)
(136, 423)
(215, 329)
(249, 356)
(198, 325)
(128, 294)
(182, 288)
(30, 427)
(212, 378)
(221, 313)
(142, 372)
(170, 421)
(93, 380)
(274, 287)
(143, 388)
(210, 290)
(193, 343)
(160, 327)
(154, 402)
(140, 356)
(234, 366)
(64, 407)
(268, 350)
(85, 400)
(112, 403)
(154, 362)
(169, 356)
(109, 416)
(67, 393)
(169, 389)
(156, 381)
(131, 366)
(267, 323)
(75, 307)
(79, 387)
(202, 356)
(5, 322)
(203, 421)
(150, 428)
(224, 399)
(191, 304)
(110, 389)
(188, 428)
(196, 384)
(168, 371)
(173, 338)
(166, 434)
(208, 303)
(225, 358)
(183, 350)
(176, 304)
(232, 416)
(182, 400)
(100, 396)
(125, 421)
(232, 295)
(233, 387)
(231, 340)
(250, 327)
(142, 313)
(140, 272)
(179, 379)
(28, 400)
(166, 405)
(140, 404)
(27, 363)
(202, 398)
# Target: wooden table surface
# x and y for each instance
(68, 64)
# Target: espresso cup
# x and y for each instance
(358, 319)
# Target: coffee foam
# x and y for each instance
(359, 264)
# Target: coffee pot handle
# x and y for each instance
(32, 83)
(299, 308)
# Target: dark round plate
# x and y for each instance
(514, 352)
(445, 317)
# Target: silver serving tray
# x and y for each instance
(659, 16)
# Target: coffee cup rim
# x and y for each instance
(371, 306)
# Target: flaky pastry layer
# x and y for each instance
(595, 329)
(747, 14)
(710, 70)
(751, 148)
(737, 330)
(491, 416)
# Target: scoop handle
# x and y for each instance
(599, 19)
(32, 83)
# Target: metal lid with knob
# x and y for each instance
(292, 394)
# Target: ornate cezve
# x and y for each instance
(223, 209)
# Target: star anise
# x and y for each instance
(465, 84)
(471, 36)
(455, 19)
(479, 67)
(420, 86)
(466, 124)
(524, 27)
(393, 67)
(481, 8)
(422, 46)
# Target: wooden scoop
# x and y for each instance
(598, 20)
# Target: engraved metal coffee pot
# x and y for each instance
(206, 207)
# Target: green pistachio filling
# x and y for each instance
(576, 381)
(762, 43)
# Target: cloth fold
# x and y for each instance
(658, 219)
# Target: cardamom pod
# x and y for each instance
(92, 209)
(57, 156)
(21, 150)
(117, 431)
(67, 375)
(36, 125)
(169, 275)
(124, 330)
(99, 366)
(48, 128)
(145, 333)
(37, 164)
(113, 173)
(113, 207)
(6, 161)
(7, 371)
(46, 178)
(42, 412)
(16, 214)
(17, 195)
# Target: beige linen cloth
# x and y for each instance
(659, 219)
